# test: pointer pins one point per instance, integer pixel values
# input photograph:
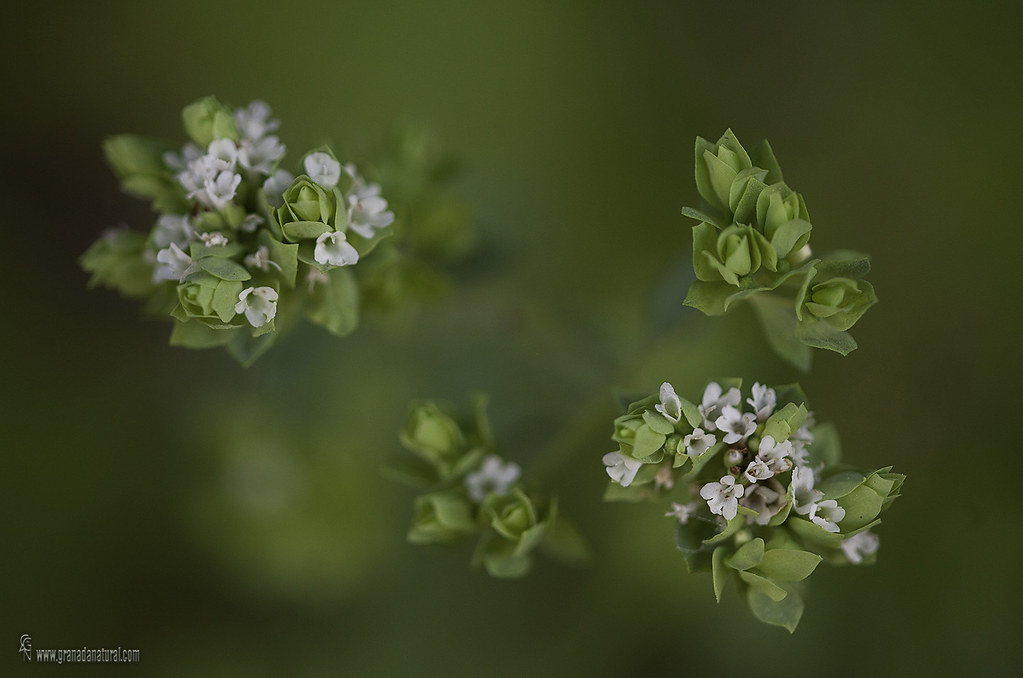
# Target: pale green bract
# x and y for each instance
(752, 243)
(242, 248)
(760, 504)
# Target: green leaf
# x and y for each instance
(813, 534)
(782, 423)
(861, 506)
(788, 564)
(297, 230)
(763, 585)
(284, 255)
(818, 334)
(778, 319)
(247, 347)
(785, 613)
(692, 413)
(762, 155)
(840, 484)
(194, 334)
(334, 305)
(826, 447)
(225, 269)
(732, 526)
(702, 216)
(843, 264)
(409, 470)
(658, 424)
(720, 572)
(225, 298)
(647, 443)
(748, 555)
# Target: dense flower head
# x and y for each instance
(760, 500)
(235, 230)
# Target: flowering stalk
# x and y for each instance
(755, 487)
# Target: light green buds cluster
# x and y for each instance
(752, 242)
(242, 246)
(471, 491)
(755, 487)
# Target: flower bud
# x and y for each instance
(839, 302)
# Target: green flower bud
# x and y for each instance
(839, 302)
(717, 166)
(441, 517)
(736, 252)
(434, 436)
(514, 517)
(309, 210)
(783, 219)
(207, 298)
(208, 119)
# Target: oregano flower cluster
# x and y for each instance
(755, 486)
(753, 242)
(240, 243)
(472, 491)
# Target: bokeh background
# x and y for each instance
(235, 523)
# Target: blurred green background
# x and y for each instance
(235, 523)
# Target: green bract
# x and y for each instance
(472, 491)
(755, 485)
(752, 242)
(238, 237)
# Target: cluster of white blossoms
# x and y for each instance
(236, 230)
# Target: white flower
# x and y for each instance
(827, 514)
(763, 401)
(713, 401)
(698, 442)
(221, 155)
(758, 470)
(859, 545)
(221, 190)
(180, 161)
(259, 156)
(492, 476)
(766, 499)
(251, 222)
(316, 277)
(259, 304)
(800, 455)
(213, 239)
(367, 211)
(333, 248)
(736, 425)
(175, 264)
(254, 121)
(322, 169)
(193, 178)
(275, 186)
(172, 228)
(620, 468)
(804, 497)
(723, 497)
(681, 512)
(261, 259)
(774, 454)
(670, 405)
(665, 478)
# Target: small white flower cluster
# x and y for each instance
(492, 476)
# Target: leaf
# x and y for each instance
(563, 542)
(658, 424)
(647, 442)
(719, 571)
(297, 230)
(764, 585)
(861, 506)
(247, 347)
(693, 213)
(748, 555)
(225, 269)
(409, 470)
(194, 334)
(785, 613)
(843, 264)
(778, 319)
(788, 564)
(814, 534)
(225, 298)
(733, 526)
(826, 447)
(818, 334)
(335, 304)
(840, 484)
